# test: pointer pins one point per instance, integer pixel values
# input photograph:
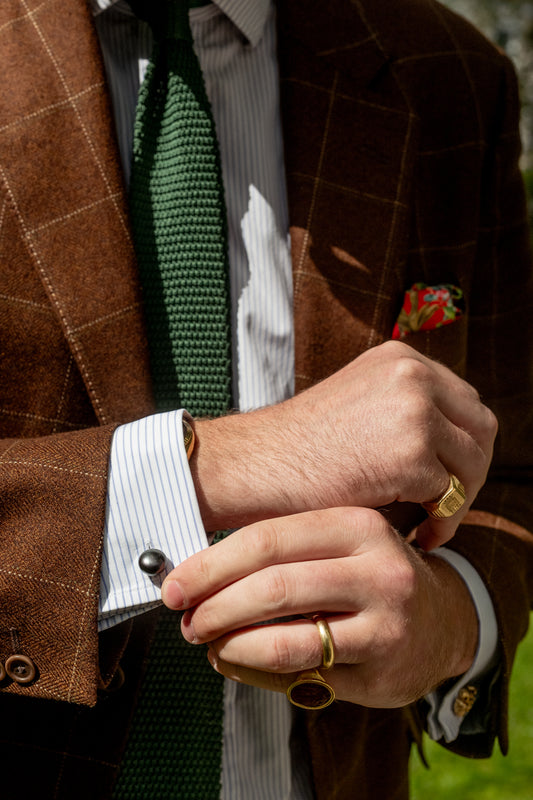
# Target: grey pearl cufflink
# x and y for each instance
(152, 562)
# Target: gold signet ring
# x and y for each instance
(310, 690)
(448, 503)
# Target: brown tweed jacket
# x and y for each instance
(401, 149)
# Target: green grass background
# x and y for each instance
(451, 777)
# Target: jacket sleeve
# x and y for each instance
(497, 539)
(53, 493)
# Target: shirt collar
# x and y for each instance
(249, 16)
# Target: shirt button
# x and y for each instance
(152, 562)
(20, 669)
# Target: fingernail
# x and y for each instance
(212, 658)
(172, 595)
(187, 628)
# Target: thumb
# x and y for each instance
(433, 533)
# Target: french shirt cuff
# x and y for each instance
(443, 721)
(151, 503)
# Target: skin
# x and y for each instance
(392, 610)
(388, 427)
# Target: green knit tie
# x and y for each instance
(179, 222)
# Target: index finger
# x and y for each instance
(329, 533)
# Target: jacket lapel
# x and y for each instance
(349, 152)
(349, 161)
(69, 199)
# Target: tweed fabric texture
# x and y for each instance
(383, 190)
(179, 224)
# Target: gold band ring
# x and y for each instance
(328, 650)
(448, 503)
(310, 690)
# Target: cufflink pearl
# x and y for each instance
(152, 562)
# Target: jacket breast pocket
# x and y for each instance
(447, 344)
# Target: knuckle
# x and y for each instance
(265, 541)
(469, 391)
(280, 655)
(374, 522)
(483, 437)
(204, 574)
(349, 517)
(474, 392)
(491, 423)
(276, 591)
(205, 626)
(359, 525)
(401, 580)
(395, 349)
(409, 371)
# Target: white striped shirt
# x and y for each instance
(151, 496)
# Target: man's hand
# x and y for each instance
(390, 426)
(392, 610)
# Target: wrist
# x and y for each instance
(239, 470)
(458, 621)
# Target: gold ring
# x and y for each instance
(328, 650)
(448, 503)
(310, 691)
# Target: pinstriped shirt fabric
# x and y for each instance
(151, 498)
(150, 490)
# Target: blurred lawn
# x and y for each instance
(451, 777)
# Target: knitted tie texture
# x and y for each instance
(178, 215)
(179, 223)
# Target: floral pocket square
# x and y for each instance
(427, 307)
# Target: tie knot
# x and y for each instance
(168, 19)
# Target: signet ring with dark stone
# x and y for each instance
(310, 690)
